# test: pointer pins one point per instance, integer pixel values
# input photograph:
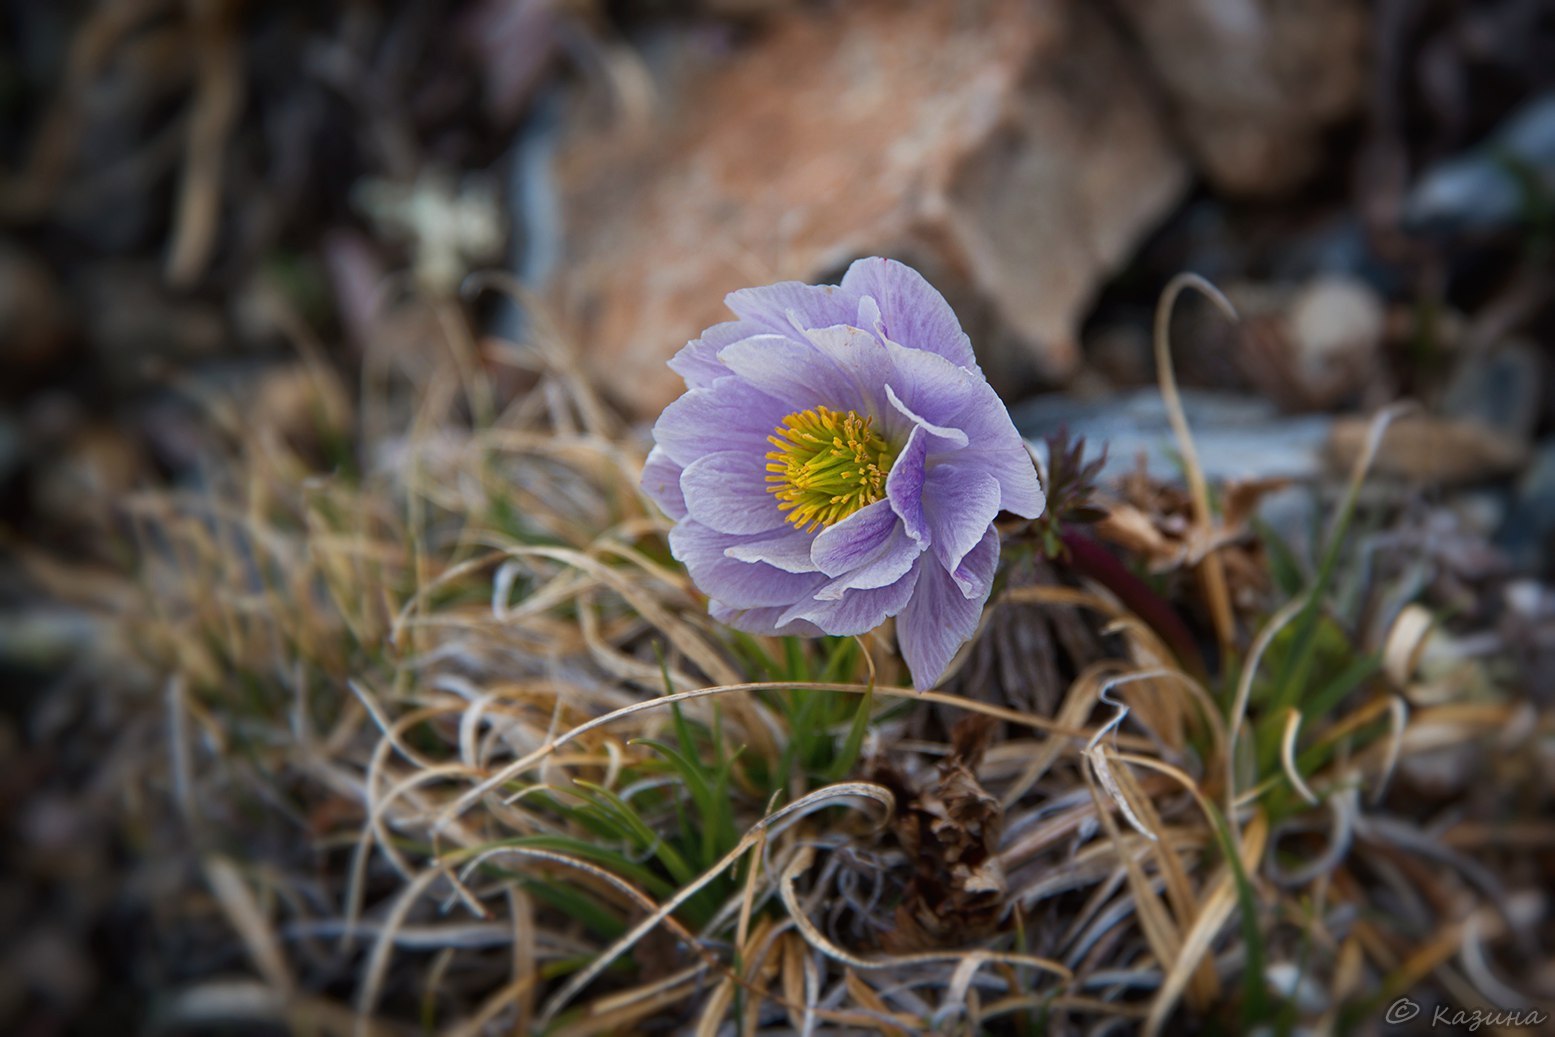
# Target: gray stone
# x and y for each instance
(1528, 536)
(1236, 437)
(1486, 189)
(1501, 390)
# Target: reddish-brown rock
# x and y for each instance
(1007, 148)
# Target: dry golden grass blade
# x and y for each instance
(1425, 959)
(512, 994)
(1215, 908)
(1079, 701)
(715, 1008)
(1204, 988)
(761, 967)
(1155, 923)
(249, 921)
(865, 995)
(216, 104)
(1211, 569)
(793, 976)
(619, 1020)
(1405, 641)
(1288, 736)
(377, 966)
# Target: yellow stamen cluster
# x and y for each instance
(827, 465)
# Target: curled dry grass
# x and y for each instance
(459, 752)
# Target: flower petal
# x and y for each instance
(697, 362)
(868, 549)
(889, 563)
(661, 482)
(735, 583)
(943, 397)
(790, 306)
(912, 312)
(857, 611)
(904, 485)
(727, 491)
(861, 367)
(727, 415)
(940, 618)
(960, 503)
(850, 543)
(791, 370)
(953, 438)
(762, 621)
(786, 548)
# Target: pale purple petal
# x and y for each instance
(862, 366)
(943, 397)
(951, 438)
(869, 316)
(850, 543)
(858, 611)
(912, 312)
(904, 484)
(777, 307)
(940, 618)
(787, 549)
(727, 491)
(731, 581)
(791, 370)
(727, 415)
(960, 503)
(697, 362)
(762, 621)
(868, 549)
(887, 564)
(661, 482)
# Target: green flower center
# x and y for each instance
(827, 465)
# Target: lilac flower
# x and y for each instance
(839, 458)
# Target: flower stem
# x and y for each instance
(1088, 558)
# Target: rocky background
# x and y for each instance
(200, 200)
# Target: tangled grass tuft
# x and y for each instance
(458, 751)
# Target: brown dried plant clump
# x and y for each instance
(453, 748)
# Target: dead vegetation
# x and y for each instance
(454, 748)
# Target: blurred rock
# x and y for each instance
(1009, 150)
(1257, 83)
(1491, 187)
(1428, 449)
(138, 330)
(1311, 346)
(78, 486)
(1528, 536)
(1501, 389)
(34, 323)
(1237, 437)
(1121, 353)
(10, 446)
(1336, 328)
